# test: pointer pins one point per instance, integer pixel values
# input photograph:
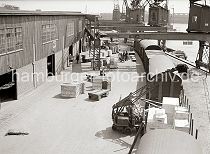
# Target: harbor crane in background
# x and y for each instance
(134, 12)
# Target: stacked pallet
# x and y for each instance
(101, 82)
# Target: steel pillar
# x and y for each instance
(203, 57)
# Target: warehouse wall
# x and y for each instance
(58, 62)
(40, 71)
(23, 60)
(24, 80)
(32, 34)
(24, 56)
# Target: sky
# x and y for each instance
(85, 6)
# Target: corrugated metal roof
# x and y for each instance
(152, 53)
(42, 13)
(168, 141)
(147, 43)
(159, 64)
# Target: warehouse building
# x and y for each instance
(36, 42)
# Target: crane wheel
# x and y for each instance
(114, 127)
(127, 130)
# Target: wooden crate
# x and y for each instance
(98, 82)
(70, 90)
(182, 125)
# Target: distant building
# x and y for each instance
(106, 16)
(9, 7)
(181, 18)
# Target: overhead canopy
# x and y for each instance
(168, 141)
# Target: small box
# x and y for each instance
(160, 118)
(181, 113)
(181, 125)
(169, 104)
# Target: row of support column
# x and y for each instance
(95, 45)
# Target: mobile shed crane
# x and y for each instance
(128, 113)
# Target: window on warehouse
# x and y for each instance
(49, 33)
(70, 29)
(80, 25)
(18, 38)
(2, 41)
(11, 39)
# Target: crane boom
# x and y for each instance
(135, 96)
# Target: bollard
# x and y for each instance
(196, 134)
(190, 122)
(192, 127)
(187, 102)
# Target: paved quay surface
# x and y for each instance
(65, 126)
(77, 125)
(196, 89)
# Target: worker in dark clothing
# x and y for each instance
(77, 58)
(126, 55)
(123, 55)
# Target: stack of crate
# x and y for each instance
(99, 81)
(70, 89)
(157, 119)
(169, 104)
(181, 121)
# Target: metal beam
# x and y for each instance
(162, 36)
(133, 28)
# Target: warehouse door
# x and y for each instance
(71, 50)
(8, 86)
(51, 65)
(80, 46)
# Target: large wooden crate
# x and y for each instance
(101, 82)
(70, 89)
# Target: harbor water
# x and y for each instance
(190, 50)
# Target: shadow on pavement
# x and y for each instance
(60, 97)
(89, 100)
(115, 137)
(76, 68)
